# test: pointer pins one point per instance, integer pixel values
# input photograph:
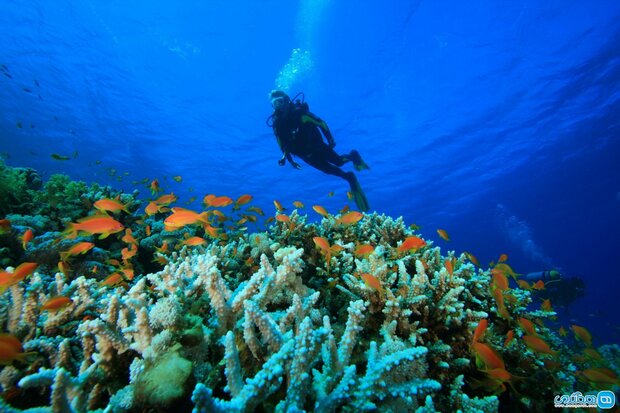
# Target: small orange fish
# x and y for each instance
(506, 269)
(113, 280)
(63, 267)
(320, 210)
(217, 201)
(11, 350)
(23, 270)
(546, 305)
(524, 285)
(278, 205)
(282, 218)
(509, 336)
(350, 218)
(155, 188)
(593, 354)
(298, 204)
(371, 281)
(194, 241)
(449, 267)
(502, 258)
(242, 200)
(77, 249)
(256, 210)
(443, 234)
(344, 209)
(96, 224)
(147, 230)
(166, 199)
(499, 279)
(110, 205)
(349, 195)
(472, 258)
(539, 285)
(5, 226)
(527, 326)
(181, 217)
(600, 375)
(487, 358)
(364, 250)
(538, 345)
(411, 243)
(56, 303)
(128, 253)
(27, 237)
(128, 237)
(582, 334)
(151, 209)
(481, 328)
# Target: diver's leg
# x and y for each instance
(356, 190)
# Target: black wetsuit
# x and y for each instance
(299, 133)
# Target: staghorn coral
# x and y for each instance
(263, 321)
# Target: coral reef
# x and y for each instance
(272, 321)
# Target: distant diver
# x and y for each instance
(561, 290)
(299, 132)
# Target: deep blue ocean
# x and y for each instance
(498, 122)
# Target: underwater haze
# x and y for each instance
(499, 123)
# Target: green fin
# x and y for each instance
(359, 197)
(357, 160)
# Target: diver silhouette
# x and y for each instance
(299, 132)
(560, 289)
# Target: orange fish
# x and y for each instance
(128, 253)
(600, 375)
(242, 200)
(524, 285)
(539, 285)
(298, 204)
(128, 237)
(5, 226)
(371, 281)
(56, 303)
(411, 243)
(326, 250)
(11, 350)
(194, 241)
(147, 230)
(77, 249)
(256, 210)
(155, 187)
(181, 217)
(481, 328)
(443, 234)
(471, 257)
(344, 209)
(527, 326)
(546, 305)
(27, 237)
(502, 258)
(349, 218)
(487, 358)
(113, 280)
(538, 345)
(23, 270)
(63, 267)
(364, 250)
(217, 201)
(499, 279)
(582, 334)
(282, 218)
(96, 224)
(166, 199)
(110, 205)
(320, 210)
(509, 336)
(449, 267)
(278, 205)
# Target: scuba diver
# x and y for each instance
(562, 291)
(299, 132)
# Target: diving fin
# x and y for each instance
(358, 162)
(358, 194)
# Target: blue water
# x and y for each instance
(498, 123)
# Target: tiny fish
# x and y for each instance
(59, 157)
(56, 303)
(443, 234)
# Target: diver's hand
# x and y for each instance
(296, 165)
(282, 161)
